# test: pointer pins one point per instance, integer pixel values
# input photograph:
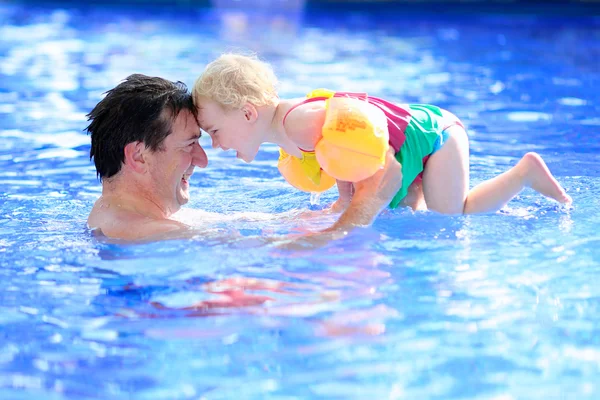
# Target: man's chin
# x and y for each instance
(183, 197)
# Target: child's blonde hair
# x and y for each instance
(234, 79)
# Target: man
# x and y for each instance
(145, 147)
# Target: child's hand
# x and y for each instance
(346, 190)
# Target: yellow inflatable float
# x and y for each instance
(353, 147)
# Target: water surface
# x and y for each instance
(500, 306)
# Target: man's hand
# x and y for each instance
(311, 240)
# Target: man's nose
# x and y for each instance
(199, 158)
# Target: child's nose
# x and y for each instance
(215, 143)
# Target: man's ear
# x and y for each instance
(250, 112)
(135, 156)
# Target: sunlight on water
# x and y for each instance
(419, 305)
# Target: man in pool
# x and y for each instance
(145, 147)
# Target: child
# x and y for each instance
(240, 109)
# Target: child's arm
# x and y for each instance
(346, 190)
(365, 199)
(303, 124)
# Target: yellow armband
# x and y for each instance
(355, 139)
(304, 173)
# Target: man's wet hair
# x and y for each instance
(139, 109)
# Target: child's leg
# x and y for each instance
(531, 171)
(445, 180)
(446, 174)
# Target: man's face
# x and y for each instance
(229, 129)
(170, 168)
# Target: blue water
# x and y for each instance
(500, 306)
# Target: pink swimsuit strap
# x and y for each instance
(309, 100)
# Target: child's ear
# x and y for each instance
(135, 153)
(250, 112)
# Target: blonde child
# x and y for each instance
(428, 148)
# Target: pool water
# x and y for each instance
(420, 305)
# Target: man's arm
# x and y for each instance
(371, 196)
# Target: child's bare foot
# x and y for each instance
(538, 177)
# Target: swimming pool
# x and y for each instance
(501, 306)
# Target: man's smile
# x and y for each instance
(186, 176)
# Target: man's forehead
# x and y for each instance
(185, 124)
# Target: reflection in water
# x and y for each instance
(321, 295)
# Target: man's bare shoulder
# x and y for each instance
(122, 224)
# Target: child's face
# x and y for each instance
(229, 129)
